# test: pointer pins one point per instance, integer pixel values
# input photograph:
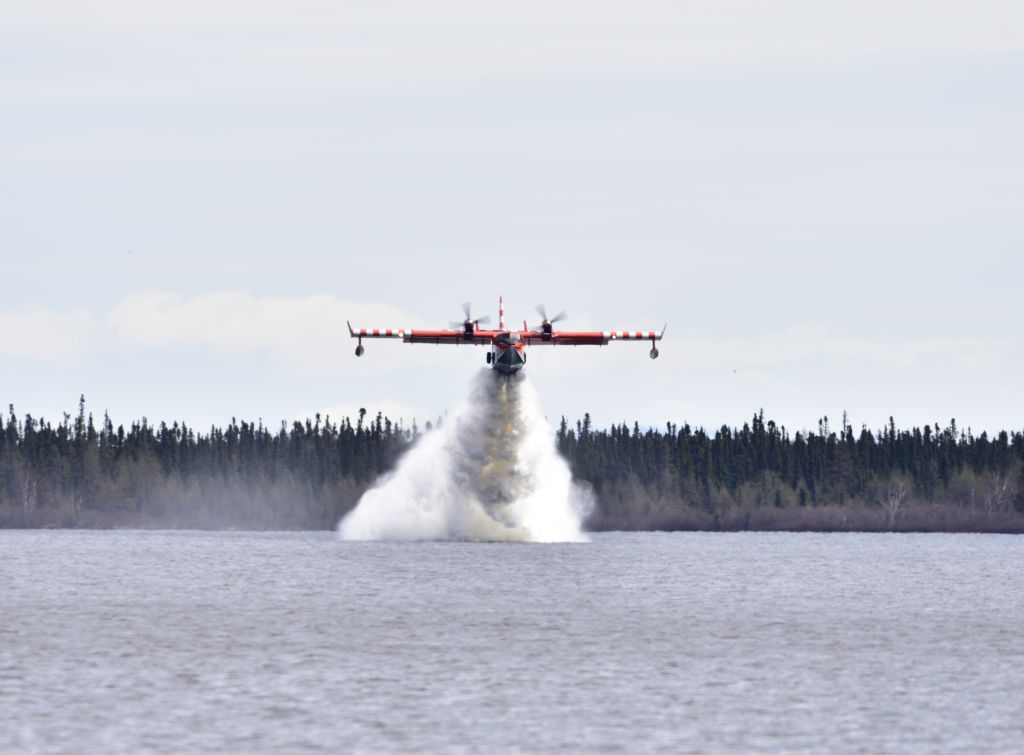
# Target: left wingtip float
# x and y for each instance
(507, 353)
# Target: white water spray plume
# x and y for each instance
(491, 472)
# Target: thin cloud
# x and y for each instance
(299, 335)
(303, 335)
(806, 345)
(308, 335)
(49, 337)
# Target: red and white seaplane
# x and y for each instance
(508, 346)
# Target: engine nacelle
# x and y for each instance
(359, 350)
(654, 352)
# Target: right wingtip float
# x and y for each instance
(507, 354)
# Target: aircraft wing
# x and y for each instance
(412, 335)
(588, 338)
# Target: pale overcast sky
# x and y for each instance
(823, 200)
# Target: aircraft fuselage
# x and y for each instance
(507, 354)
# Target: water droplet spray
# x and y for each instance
(490, 472)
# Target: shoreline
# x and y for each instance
(921, 519)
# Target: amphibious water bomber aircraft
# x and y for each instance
(508, 347)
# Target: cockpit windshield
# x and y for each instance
(510, 338)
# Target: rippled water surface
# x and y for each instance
(186, 641)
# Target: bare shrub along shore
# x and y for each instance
(309, 474)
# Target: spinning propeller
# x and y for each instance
(469, 324)
(549, 321)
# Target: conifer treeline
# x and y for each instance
(761, 477)
(308, 474)
(245, 476)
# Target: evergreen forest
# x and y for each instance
(307, 475)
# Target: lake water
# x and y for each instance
(695, 642)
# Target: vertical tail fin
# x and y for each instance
(501, 312)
